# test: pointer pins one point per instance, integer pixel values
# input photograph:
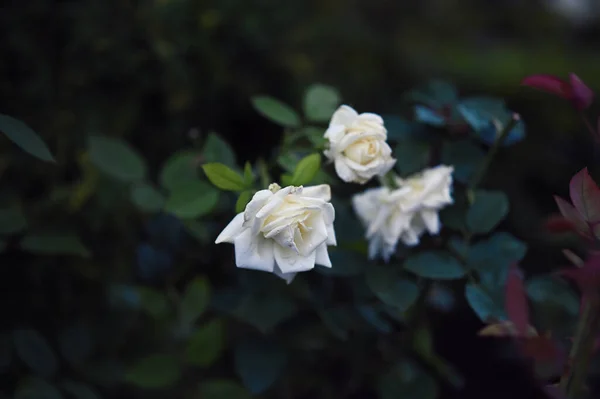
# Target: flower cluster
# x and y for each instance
(287, 230)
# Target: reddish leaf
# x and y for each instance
(559, 224)
(516, 300)
(571, 214)
(586, 277)
(550, 84)
(585, 195)
(550, 358)
(582, 94)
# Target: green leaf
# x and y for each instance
(407, 380)
(392, 289)
(33, 350)
(192, 200)
(153, 302)
(320, 102)
(224, 177)
(259, 362)
(12, 221)
(79, 390)
(242, 201)
(36, 388)
(54, 244)
(487, 211)
(5, 352)
(276, 111)
(549, 290)
(438, 265)
(146, 197)
(248, 174)
(411, 156)
(496, 253)
(75, 342)
(206, 344)
(315, 135)
(23, 136)
(116, 158)
(483, 304)
(265, 311)
(154, 371)
(222, 389)
(306, 170)
(218, 150)
(465, 156)
(195, 300)
(180, 168)
(345, 263)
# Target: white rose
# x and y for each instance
(406, 213)
(357, 145)
(284, 231)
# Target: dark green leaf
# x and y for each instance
(192, 200)
(224, 177)
(54, 244)
(75, 343)
(306, 170)
(265, 312)
(23, 136)
(465, 156)
(153, 302)
(180, 168)
(276, 111)
(411, 156)
(205, 344)
(259, 362)
(344, 263)
(33, 350)
(485, 306)
(392, 289)
(248, 174)
(315, 135)
(79, 390)
(242, 201)
(146, 197)
(5, 352)
(320, 102)
(218, 150)
(154, 371)
(116, 158)
(12, 221)
(35, 388)
(487, 211)
(551, 290)
(496, 253)
(435, 265)
(222, 389)
(407, 380)
(195, 300)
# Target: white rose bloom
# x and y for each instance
(405, 213)
(284, 231)
(357, 145)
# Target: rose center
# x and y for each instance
(362, 151)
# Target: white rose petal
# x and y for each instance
(357, 145)
(283, 230)
(406, 213)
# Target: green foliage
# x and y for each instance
(12, 220)
(320, 102)
(484, 305)
(195, 300)
(242, 201)
(146, 197)
(259, 363)
(80, 390)
(412, 156)
(489, 208)
(116, 158)
(34, 350)
(305, 171)
(217, 150)
(154, 371)
(205, 344)
(54, 244)
(179, 169)
(35, 388)
(407, 380)
(391, 288)
(192, 199)
(22, 135)
(436, 265)
(465, 156)
(224, 177)
(276, 111)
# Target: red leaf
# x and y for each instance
(559, 224)
(582, 94)
(586, 277)
(516, 300)
(550, 84)
(571, 214)
(550, 358)
(585, 195)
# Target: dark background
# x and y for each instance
(151, 71)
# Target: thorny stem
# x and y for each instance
(588, 328)
(490, 156)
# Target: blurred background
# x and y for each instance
(162, 74)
